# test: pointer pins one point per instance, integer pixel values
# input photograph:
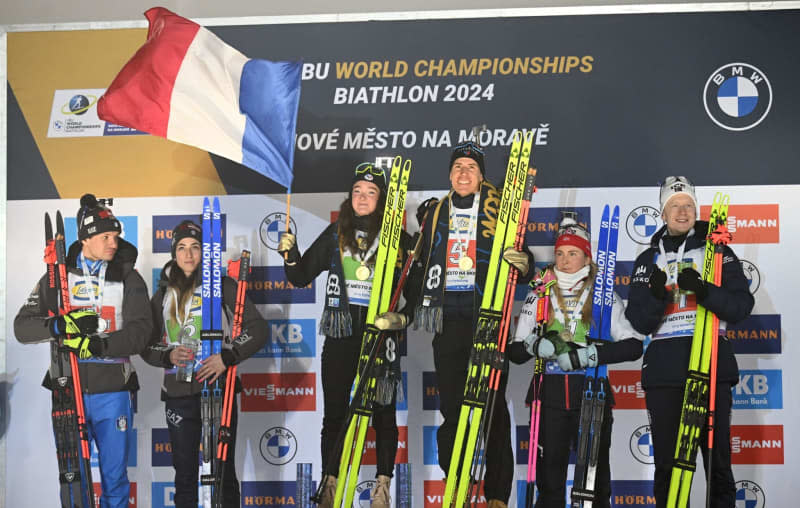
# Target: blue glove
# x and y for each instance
(578, 358)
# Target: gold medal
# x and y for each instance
(363, 272)
(465, 263)
(566, 336)
(676, 295)
(102, 324)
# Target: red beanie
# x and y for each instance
(576, 236)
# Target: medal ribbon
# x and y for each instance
(663, 261)
(470, 229)
(97, 304)
(577, 312)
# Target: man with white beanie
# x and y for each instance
(665, 289)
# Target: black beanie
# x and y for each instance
(368, 172)
(93, 218)
(471, 151)
(186, 229)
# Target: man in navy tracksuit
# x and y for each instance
(665, 289)
(110, 321)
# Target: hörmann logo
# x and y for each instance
(430, 391)
(161, 448)
(269, 494)
(751, 223)
(543, 223)
(268, 284)
(627, 388)
(756, 334)
(737, 96)
(279, 392)
(638, 493)
(164, 224)
(759, 389)
(757, 444)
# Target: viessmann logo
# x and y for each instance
(627, 388)
(434, 493)
(279, 392)
(369, 457)
(751, 223)
(757, 444)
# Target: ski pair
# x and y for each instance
(593, 403)
(239, 271)
(68, 414)
(210, 344)
(488, 345)
(542, 285)
(365, 384)
(700, 390)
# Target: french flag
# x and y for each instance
(185, 84)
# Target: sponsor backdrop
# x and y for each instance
(611, 118)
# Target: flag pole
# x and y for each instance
(288, 208)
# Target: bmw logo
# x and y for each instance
(642, 445)
(642, 223)
(363, 492)
(272, 227)
(278, 446)
(749, 495)
(752, 275)
(737, 96)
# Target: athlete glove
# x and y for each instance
(423, 208)
(79, 344)
(518, 259)
(391, 321)
(547, 347)
(287, 241)
(657, 281)
(578, 358)
(690, 280)
(76, 322)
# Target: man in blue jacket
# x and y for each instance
(665, 289)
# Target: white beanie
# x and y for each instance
(675, 185)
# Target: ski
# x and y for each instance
(542, 285)
(485, 354)
(211, 342)
(68, 415)
(696, 393)
(238, 270)
(364, 393)
(594, 395)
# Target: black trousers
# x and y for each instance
(558, 434)
(185, 433)
(664, 410)
(339, 365)
(451, 350)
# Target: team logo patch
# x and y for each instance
(363, 491)
(749, 495)
(642, 445)
(737, 96)
(752, 274)
(278, 446)
(122, 423)
(272, 227)
(642, 223)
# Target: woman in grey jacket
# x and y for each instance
(177, 310)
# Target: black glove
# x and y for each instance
(657, 281)
(422, 209)
(76, 322)
(690, 280)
